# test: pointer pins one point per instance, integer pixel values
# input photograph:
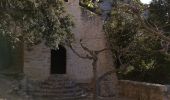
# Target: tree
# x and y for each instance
(93, 56)
(160, 14)
(138, 44)
(34, 21)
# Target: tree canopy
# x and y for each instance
(160, 14)
(35, 21)
(139, 43)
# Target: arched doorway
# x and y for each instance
(58, 61)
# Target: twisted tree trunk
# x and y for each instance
(91, 55)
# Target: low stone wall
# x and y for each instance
(143, 91)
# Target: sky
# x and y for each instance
(146, 1)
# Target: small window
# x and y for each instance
(66, 0)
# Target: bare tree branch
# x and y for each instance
(92, 55)
(79, 55)
(85, 48)
(153, 30)
(100, 51)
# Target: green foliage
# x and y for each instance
(160, 14)
(35, 21)
(121, 32)
(138, 55)
(92, 5)
(89, 3)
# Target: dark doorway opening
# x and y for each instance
(58, 61)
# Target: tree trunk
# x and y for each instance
(94, 79)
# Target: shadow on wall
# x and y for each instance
(11, 58)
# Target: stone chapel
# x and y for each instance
(41, 61)
(59, 74)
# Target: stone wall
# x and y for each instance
(11, 59)
(143, 91)
(37, 62)
(89, 27)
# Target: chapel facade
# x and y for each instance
(41, 62)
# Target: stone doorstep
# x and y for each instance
(61, 92)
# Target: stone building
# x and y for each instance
(42, 62)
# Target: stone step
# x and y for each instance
(61, 98)
(51, 83)
(53, 94)
(56, 90)
(57, 87)
(70, 98)
(58, 80)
